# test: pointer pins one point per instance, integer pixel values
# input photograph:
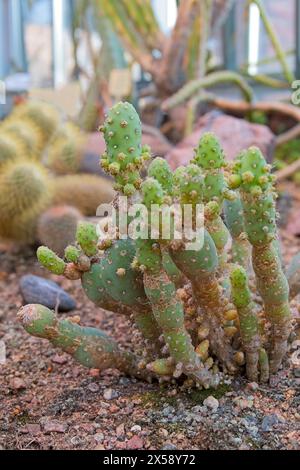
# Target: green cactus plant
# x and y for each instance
(65, 149)
(248, 322)
(43, 115)
(89, 346)
(25, 194)
(124, 155)
(33, 203)
(234, 219)
(202, 329)
(26, 134)
(252, 174)
(10, 148)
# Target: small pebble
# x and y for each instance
(93, 387)
(110, 394)
(136, 428)
(99, 437)
(211, 402)
(17, 384)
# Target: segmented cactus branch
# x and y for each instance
(88, 346)
(248, 323)
(234, 218)
(252, 174)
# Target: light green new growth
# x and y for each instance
(124, 155)
(161, 171)
(189, 184)
(50, 260)
(72, 254)
(87, 238)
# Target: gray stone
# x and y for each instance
(268, 422)
(37, 290)
(110, 394)
(169, 447)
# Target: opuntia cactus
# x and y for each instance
(193, 305)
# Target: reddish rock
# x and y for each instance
(120, 430)
(135, 443)
(234, 134)
(32, 429)
(59, 359)
(17, 384)
(120, 445)
(94, 372)
(55, 426)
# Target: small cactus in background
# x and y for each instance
(65, 150)
(85, 192)
(10, 148)
(25, 194)
(194, 307)
(57, 227)
(27, 135)
(43, 115)
(33, 202)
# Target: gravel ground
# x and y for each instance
(49, 402)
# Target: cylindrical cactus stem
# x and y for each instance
(234, 219)
(161, 171)
(53, 263)
(209, 156)
(252, 174)
(89, 346)
(200, 268)
(274, 289)
(124, 155)
(264, 366)
(163, 366)
(217, 230)
(169, 314)
(293, 276)
(49, 260)
(241, 297)
(148, 327)
(212, 79)
(87, 238)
